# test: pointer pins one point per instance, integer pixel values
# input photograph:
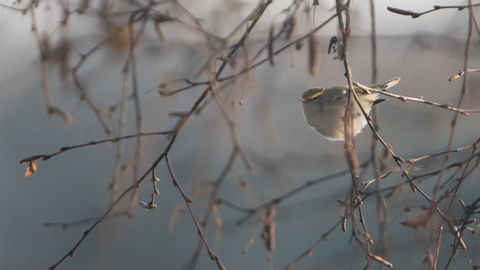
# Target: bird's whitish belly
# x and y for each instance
(329, 121)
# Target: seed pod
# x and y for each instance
(270, 45)
(313, 53)
(290, 26)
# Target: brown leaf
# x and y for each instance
(382, 261)
(313, 54)
(32, 167)
(67, 117)
(290, 26)
(270, 46)
(160, 17)
(428, 258)
(420, 220)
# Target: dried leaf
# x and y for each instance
(118, 38)
(382, 261)
(290, 26)
(428, 259)
(420, 220)
(67, 117)
(313, 54)
(270, 46)
(160, 17)
(32, 167)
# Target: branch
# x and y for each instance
(187, 200)
(447, 106)
(418, 14)
(66, 148)
(135, 185)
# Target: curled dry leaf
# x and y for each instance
(290, 26)
(382, 261)
(420, 220)
(67, 117)
(161, 17)
(428, 258)
(313, 54)
(32, 167)
(270, 45)
(268, 234)
(118, 38)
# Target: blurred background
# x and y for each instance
(283, 151)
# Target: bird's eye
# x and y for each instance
(315, 98)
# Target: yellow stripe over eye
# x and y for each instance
(317, 95)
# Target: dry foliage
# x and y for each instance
(226, 73)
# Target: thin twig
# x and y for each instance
(187, 200)
(447, 106)
(418, 14)
(277, 200)
(135, 185)
(309, 251)
(453, 125)
(116, 139)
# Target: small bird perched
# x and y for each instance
(324, 109)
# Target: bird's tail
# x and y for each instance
(390, 83)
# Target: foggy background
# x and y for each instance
(283, 150)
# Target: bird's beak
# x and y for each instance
(302, 100)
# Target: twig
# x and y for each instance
(65, 225)
(447, 106)
(381, 210)
(135, 185)
(413, 160)
(418, 14)
(231, 125)
(252, 66)
(131, 62)
(275, 201)
(121, 132)
(85, 95)
(213, 198)
(192, 261)
(187, 200)
(461, 72)
(452, 130)
(460, 181)
(309, 251)
(424, 176)
(116, 139)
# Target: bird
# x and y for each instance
(324, 108)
